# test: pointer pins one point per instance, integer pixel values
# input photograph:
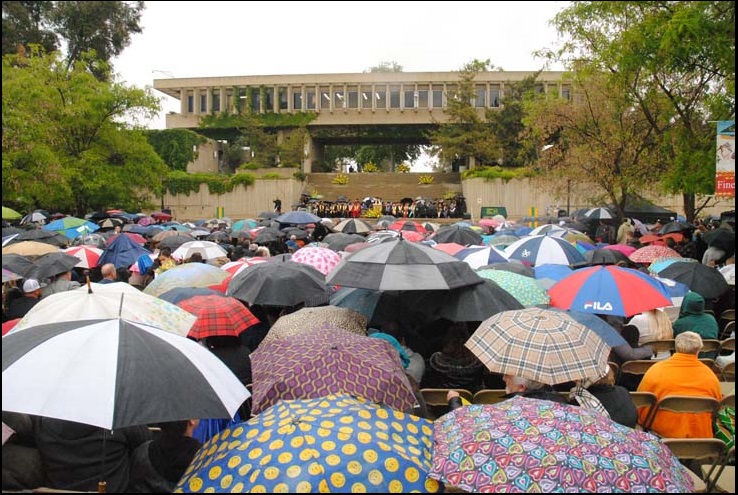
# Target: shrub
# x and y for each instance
(340, 179)
(369, 167)
(426, 179)
(402, 168)
(300, 175)
(271, 176)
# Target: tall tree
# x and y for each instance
(26, 23)
(64, 146)
(683, 52)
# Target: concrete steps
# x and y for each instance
(388, 186)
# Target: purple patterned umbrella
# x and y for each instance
(531, 445)
(326, 361)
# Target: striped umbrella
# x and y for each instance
(88, 255)
(542, 249)
(479, 256)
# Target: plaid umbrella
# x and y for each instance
(306, 320)
(186, 275)
(329, 360)
(322, 259)
(528, 291)
(360, 447)
(353, 226)
(402, 265)
(542, 249)
(705, 280)
(217, 316)
(531, 445)
(88, 255)
(544, 345)
(650, 253)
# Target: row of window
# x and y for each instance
(316, 98)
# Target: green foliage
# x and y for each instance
(496, 172)
(341, 179)
(177, 147)
(64, 147)
(300, 175)
(249, 166)
(385, 67)
(402, 168)
(449, 195)
(292, 149)
(369, 168)
(271, 176)
(183, 183)
(426, 179)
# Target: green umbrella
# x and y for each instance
(10, 214)
(528, 291)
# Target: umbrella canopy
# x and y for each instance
(728, 273)
(174, 241)
(306, 320)
(110, 373)
(623, 248)
(472, 303)
(38, 217)
(335, 361)
(42, 235)
(458, 234)
(721, 238)
(267, 235)
(178, 294)
(514, 266)
(236, 267)
(298, 218)
(137, 238)
(609, 290)
(353, 226)
(479, 256)
(526, 290)
(500, 241)
(338, 240)
(186, 275)
(29, 248)
(543, 249)
(449, 247)
(10, 214)
(322, 259)
(71, 227)
(408, 225)
(88, 256)
(217, 316)
(606, 331)
(16, 263)
(9, 275)
(207, 249)
(402, 265)
(51, 264)
(705, 280)
(544, 345)
(280, 283)
(598, 214)
(605, 257)
(354, 452)
(122, 252)
(548, 275)
(532, 445)
(115, 300)
(650, 253)
(660, 263)
(110, 223)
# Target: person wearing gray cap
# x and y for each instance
(17, 308)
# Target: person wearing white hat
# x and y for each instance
(17, 308)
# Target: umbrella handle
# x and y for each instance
(89, 284)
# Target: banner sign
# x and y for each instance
(725, 159)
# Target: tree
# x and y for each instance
(683, 52)
(601, 138)
(177, 147)
(385, 67)
(466, 134)
(79, 26)
(64, 146)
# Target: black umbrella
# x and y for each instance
(17, 263)
(181, 293)
(675, 226)
(458, 234)
(605, 257)
(338, 241)
(280, 283)
(705, 280)
(472, 303)
(174, 241)
(402, 265)
(298, 233)
(218, 236)
(512, 266)
(268, 214)
(51, 264)
(720, 238)
(12, 230)
(268, 235)
(40, 235)
(110, 223)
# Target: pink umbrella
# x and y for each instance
(648, 254)
(88, 255)
(449, 247)
(236, 267)
(623, 248)
(357, 246)
(322, 259)
(412, 236)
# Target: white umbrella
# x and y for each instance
(115, 373)
(207, 249)
(108, 301)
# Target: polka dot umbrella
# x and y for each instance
(336, 443)
(322, 259)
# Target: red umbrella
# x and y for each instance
(408, 225)
(217, 316)
(648, 254)
(88, 255)
(9, 325)
(449, 247)
(137, 238)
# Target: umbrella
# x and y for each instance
(332, 361)
(605, 257)
(449, 247)
(178, 294)
(244, 224)
(514, 266)
(51, 264)
(472, 303)
(531, 445)
(174, 241)
(728, 272)
(660, 263)
(122, 252)
(110, 223)
(29, 248)
(547, 229)
(402, 265)
(217, 316)
(322, 259)
(96, 240)
(137, 238)
(269, 215)
(186, 275)
(35, 217)
(623, 248)
(88, 256)
(277, 451)
(338, 240)
(299, 233)
(10, 214)
(705, 280)
(543, 249)
(298, 218)
(280, 283)
(721, 238)
(41, 235)
(548, 275)
(460, 235)
(207, 249)
(500, 240)
(71, 227)
(306, 320)
(9, 275)
(236, 267)
(16, 263)
(609, 290)
(598, 214)
(544, 345)
(102, 301)
(675, 226)
(408, 225)
(606, 331)
(160, 215)
(526, 290)
(353, 226)
(479, 256)
(650, 253)
(267, 235)
(114, 373)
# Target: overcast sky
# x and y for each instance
(202, 39)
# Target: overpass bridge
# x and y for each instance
(351, 108)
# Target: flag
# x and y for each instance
(725, 159)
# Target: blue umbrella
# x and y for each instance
(298, 217)
(178, 294)
(71, 227)
(122, 252)
(542, 249)
(547, 275)
(599, 326)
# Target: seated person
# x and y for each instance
(455, 366)
(517, 385)
(614, 400)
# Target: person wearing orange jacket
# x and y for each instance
(681, 374)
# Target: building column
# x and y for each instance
(209, 100)
(224, 105)
(183, 101)
(196, 97)
(314, 153)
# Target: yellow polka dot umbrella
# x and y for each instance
(337, 443)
